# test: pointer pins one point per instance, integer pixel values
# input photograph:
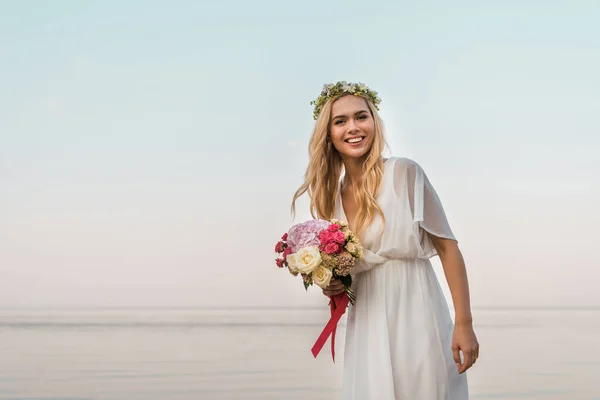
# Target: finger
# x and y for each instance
(336, 284)
(336, 289)
(468, 361)
(456, 355)
(331, 292)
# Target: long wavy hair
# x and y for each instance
(325, 167)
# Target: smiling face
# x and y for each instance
(352, 128)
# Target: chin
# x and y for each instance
(356, 153)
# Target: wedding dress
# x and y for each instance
(399, 332)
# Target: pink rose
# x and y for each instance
(333, 228)
(279, 262)
(332, 248)
(279, 247)
(286, 252)
(325, 237)
(284, 237)
(339, 237)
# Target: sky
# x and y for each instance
(149, 150)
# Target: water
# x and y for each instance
(173, 354)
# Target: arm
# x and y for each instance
(456, 275)
(428, 213)
(464, 338)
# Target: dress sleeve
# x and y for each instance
(428, 216)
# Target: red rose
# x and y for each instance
(279, 247)
(286, 252)
(279, 262)
(333, 228)
(284, 237)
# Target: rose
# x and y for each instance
(307, 259)
(355, 249)
(342, 224)
(332, 248)
(291, 260)
(279, 247)
(339, 237)
(279, 262)
(322, 276)
(286, 252)
(284, 237)
(351, 247)
(325, 237)
(333, 228)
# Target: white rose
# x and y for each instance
(322, 276)
(351, 247)
(307, 259)
(291, 260)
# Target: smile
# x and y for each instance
(355, 140)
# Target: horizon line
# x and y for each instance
(257, 307)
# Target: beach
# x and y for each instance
(264, 353)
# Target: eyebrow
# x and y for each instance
(342, 116)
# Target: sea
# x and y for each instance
(264, 353)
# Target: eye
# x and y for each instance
(338, 122)
(362, 116)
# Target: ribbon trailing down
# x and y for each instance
(337, 307)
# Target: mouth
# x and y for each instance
(355, 140)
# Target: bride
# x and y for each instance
(401, 342)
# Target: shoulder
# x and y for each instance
(403, 173)
(404, 161)
(401, 165)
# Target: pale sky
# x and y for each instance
(149, 150)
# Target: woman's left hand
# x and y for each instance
(464, 340)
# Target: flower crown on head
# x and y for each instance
(333, 91)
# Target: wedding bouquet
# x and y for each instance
(319, 250)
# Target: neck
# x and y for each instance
(353, 169)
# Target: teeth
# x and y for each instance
(355, 140)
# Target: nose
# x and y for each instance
(352, 126)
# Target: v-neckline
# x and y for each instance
(341, 200)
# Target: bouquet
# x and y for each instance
(320, 250)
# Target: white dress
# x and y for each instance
(399, 332)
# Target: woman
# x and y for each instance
(401, 342)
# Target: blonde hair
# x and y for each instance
(325, 167)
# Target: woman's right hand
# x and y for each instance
(335, 287)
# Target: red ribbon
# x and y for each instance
(337, 307)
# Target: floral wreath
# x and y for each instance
(334, 91)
